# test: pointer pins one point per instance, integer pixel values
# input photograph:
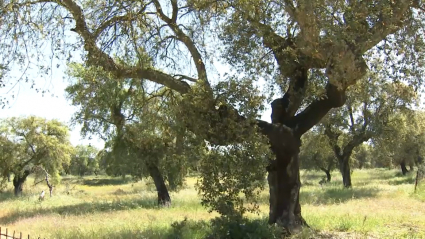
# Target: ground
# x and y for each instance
(381, 204)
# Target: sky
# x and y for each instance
(28, 102)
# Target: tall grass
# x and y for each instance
(381, 204)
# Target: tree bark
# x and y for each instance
(328, 175)
(344, 167)
(284, 185)
(18, 182)
(404, 170)
(163, 195)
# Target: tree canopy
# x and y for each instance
(402, 141)
(84, 161)
(30, 142)
(364, 116)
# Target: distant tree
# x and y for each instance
(403, 140)
(316, 153)
(363, 116)
(362, 156)
(7, 154)
(138, 122)
(84, 161)
(31, 142)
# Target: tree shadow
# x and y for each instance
(257, 228)
(402, 180)
(83, 208)
(105, 181)
(7, 195)
(381, 174)
(336, 195)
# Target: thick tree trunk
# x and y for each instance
(344, 167)
(163, 196)
(403, 168)
(328, 175)
(284, 184)
(18, 182)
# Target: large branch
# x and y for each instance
(293, 66)
(307, 20)
(355, 141)
(99, 58)
(286, 107)
(390, 21)
(187, 41)
(131, 16)
(318, 109)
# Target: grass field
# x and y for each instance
(380, 205)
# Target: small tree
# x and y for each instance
(34, 142)
(402, 141)
(316, 153)
(365, 114)
(362, 156)
(138, 122)
(84, 161)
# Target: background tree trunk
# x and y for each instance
(163, 195)
(328, 175)
(8, 177)
(404, 170)
(18, 182)
(344, 167)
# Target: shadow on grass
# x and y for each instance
(336, 195)
(381, 174)
(189, 229)
(402, 180)
(82, 208)
(330, 196)
(105, 181)
(7, 195)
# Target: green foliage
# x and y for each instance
(33, 141)
(232, 177)
(316, 153)
(7, 153)
(240, 228)
(369, 107)
(84, 161)
(403, 139)
(362, 156)
(137, 121)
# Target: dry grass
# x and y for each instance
(380, 205)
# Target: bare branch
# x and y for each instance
(187, 41)
(183, 77)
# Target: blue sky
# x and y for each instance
(28, 102)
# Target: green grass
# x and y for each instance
(381, 204)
